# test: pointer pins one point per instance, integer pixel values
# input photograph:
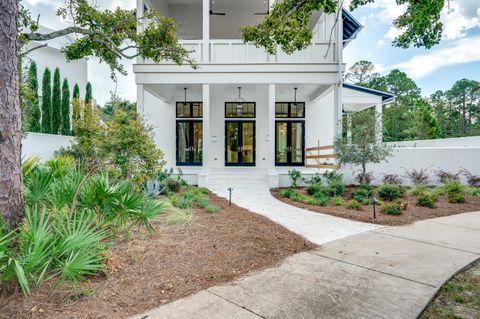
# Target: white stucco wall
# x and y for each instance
(43, 145)
(319, 121)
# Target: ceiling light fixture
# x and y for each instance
(239, 102)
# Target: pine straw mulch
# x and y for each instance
(408, 216)
(146, 271)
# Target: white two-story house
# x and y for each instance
(245, 114)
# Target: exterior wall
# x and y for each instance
(43, 145)
(188, 19)
(319, 121)
(470, 141)
(74, 71)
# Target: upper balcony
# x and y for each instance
(210, 30)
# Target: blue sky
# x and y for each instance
(456, 57)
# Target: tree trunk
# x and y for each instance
(11, 200)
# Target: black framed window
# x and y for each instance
(189, 110)
(234, 110)
(189, 136)
(290, 110)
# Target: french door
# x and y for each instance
(239, 143)
(290, 143)
(189, 142)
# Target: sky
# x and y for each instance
(456, 57)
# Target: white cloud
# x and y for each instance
(459, 52)
(459, 17)
(380, 43)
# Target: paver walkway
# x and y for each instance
(390, 272)
(318, 228)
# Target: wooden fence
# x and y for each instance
(315, 155)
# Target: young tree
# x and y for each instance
(361, 73)
(108, 35)
(56, 103)
(65, 108)
(76, 107)
(424, 125)
(35, 115)
(47, 114)
(116, 103)
(88, 93)
(76, 91)
(364, 148)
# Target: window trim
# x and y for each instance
(289, 115)
(190, 163)
(242, 117)
(191, 110)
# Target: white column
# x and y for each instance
(203, 176)
(349, 127)
(141, 99)
(378, 122)
(273, 178)
(339, 85)
(206, 31)
(337, 113)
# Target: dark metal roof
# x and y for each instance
(350, 27)
(385, 96)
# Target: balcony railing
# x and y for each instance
(238, 52)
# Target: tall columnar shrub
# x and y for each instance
(47, 102)
(76, 91)
(65, 108)
(35, 118)
(88, 93)
(56, 103)
(88, 102)
(76, 106)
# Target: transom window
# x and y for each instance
(240, 110)
(290, 110)
(189, 109)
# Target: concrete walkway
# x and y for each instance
(390, 272)
(318, 228)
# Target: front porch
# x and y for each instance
(202, 131)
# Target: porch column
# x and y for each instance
(378, 122)
(141, 99)
(206, 31)
(203, 176)
(349, 127)
(337, 113)
(273, 179)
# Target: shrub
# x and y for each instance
(453, 187)
(296, 197)
(445, 176)
(417, 177)
(202, 201)
(287, 193)
(337, 201)
(212, 209)
(173, 199)
(456, 198)
(472, 191)
(180, 217)
(472, 180)
(353, 204)
(153, 188)
(185, 202)
(322, 199)
(390, 191)
(391, 209)
(315, 179)
(364, 178)
(331, 176)
(360, 194)
(309, 200)
(417, 190)
(427, 200)
(392, 179)
(295, 177)
(335, 187)
(314, 189)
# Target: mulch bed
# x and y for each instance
(146, 271)
(410, 215)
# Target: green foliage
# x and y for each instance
(185, 202)
(472, 191)
(453, 186)
(65, 129)
(391, 209)
(354, 204)
(88, 93)
(115, 103)
(337, 201)
(390, 191)
(56, 103)
(202, 201)
(424, 125)
(314, 189)
(361, 193)
(309, 200)
(322, 199)
(212, 209)
(295, 177)
(456, 198)
(47, 126)
(76, 92)
(181, 217)
(35, 124)
(295, 196)
(287, 193)
(417, 190)
(427, 200)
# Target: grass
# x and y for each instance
(458, 298)
(180, 217)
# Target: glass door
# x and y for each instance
(289, 143)
(189, 143)
(239, 143)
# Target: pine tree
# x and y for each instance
(65, 108)
(56, 103)
(46, 102)
(35, 119)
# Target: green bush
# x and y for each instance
(202, 201)
(185, 202)
(360, 194)
(287, 193)
(390, 191)
(295, 177)
(453, 186)
(314, 189)
(391, 209)
(322, 199)
(427, 200)
(309, 200)
(212, 209)
(456, 198)
(173, 199)
(296, 197)
(354, 204)
(335, 187)
(331, 176)
(472, 191)
(417, 190)
(337, 201)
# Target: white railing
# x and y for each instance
(238, 52)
